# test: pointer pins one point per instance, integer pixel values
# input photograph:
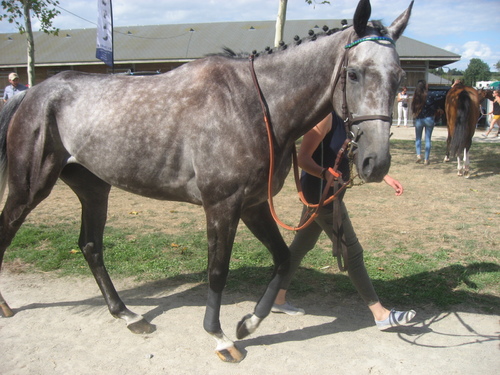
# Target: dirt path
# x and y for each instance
(63, 327)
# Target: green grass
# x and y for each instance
(147, 257)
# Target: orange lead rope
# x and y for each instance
(333, 175)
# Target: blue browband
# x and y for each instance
(370, 38)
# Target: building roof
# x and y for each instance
(182, 42)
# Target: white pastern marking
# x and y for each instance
(252, 323)
(72, 160)
(222, 342)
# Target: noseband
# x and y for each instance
(350, 143)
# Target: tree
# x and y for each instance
(456, 72)
(281, 18)
(20, 13)
(497, 66)
(477, 70)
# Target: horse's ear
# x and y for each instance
(400, 23)
(361, 17)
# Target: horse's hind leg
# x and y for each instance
(466, 164)
(4, 307)
(463, 166)
(93, 195)
(448, 140)
(6, 310)
(460, 171)
(29, 186)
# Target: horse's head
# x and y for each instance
(372, 76)
(485, 94)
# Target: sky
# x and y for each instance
(465, 27)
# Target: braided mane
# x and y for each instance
(374, 27)
(311, 37)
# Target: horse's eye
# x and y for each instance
(352, 76)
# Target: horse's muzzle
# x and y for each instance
(373, 168)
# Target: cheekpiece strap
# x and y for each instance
(370, 38)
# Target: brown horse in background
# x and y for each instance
(462, 114)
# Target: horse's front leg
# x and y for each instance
(222, 222)
(93, 195)
(260, 221)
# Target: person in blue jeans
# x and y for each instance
(424, 106)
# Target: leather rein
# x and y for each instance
(332, 176)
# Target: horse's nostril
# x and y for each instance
(374, 169)
(368, 167)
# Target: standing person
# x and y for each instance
(320, 145)
(403, 107)
(14, 88)
(424, 107)
(495, 112)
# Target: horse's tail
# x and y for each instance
(459, 140)
(6, 114)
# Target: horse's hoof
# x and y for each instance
(459, 173)
(446, 159)
(466, 174)
(231, 355)
(6, 311)
(141, 327)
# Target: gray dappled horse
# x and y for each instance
(196, 134)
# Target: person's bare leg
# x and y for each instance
(281, 297)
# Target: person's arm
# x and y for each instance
(395, 184)
(496, 99)
(310, 143)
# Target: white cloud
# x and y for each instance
(476, 49)
(453, 48)
(471, 50)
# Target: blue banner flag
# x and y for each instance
(104, 49)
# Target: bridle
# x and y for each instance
(348, 117)
(333, 177)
